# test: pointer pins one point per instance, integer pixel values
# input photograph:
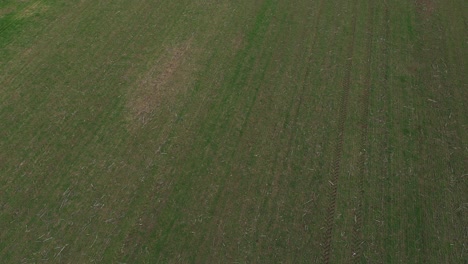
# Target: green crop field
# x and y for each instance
(216, 131)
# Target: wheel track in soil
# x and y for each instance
(358, 239)
(337, 156)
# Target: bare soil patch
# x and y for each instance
(238, 42)
(155, 88)
(425, 7)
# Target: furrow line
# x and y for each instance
(358, 240)
(386, 153)
(296, 109)
(338, 153)
(219, 201)
(293, 110)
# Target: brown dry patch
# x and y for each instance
(158, 85)
(425, 7)
(238, 42)
(413, 68)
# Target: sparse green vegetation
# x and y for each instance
(233, 131)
